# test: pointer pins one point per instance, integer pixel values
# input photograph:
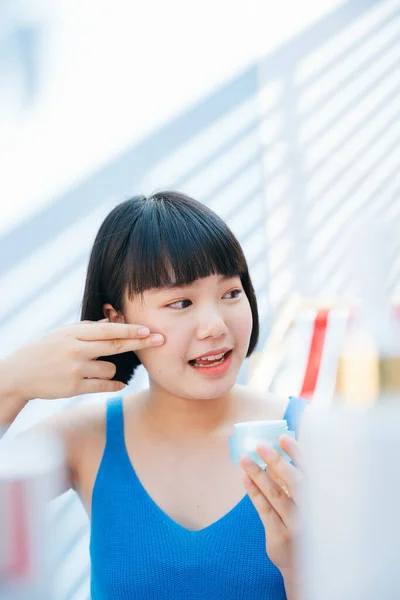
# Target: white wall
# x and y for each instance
(108, 75)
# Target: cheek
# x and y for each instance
(173, 330)
(242, 323)
(152, 358)
(164, 364)
(174, 347)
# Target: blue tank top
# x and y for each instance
(139, 553)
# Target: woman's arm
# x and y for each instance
(12, 400)
(291, 588)
(61, 364)
(64, 363)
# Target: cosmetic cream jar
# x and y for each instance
(247, 436)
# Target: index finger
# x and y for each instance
(111, 331)
(280, 470)
(292, 449)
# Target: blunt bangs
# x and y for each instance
(175, 243)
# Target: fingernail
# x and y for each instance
(157, 338)
(267, 453)
(248, 464)
(143, 331)
(103, 320)
(285, 441)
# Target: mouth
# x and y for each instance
(212, 365)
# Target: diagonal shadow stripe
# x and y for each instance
(50, 283)
(357, 100)
(79, 582)
(286, 57)
(253, 160)
(338, 175)
(211, 158)
(379, 189)
(119, 177)
(393, 94)
(330, 212)
(341, 56)
(358, 71)
(72, 542)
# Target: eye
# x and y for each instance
(180, 304)
(234, 294)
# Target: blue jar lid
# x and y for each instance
(261, 428)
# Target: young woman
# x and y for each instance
(171, 515)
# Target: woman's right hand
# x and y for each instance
(63, 362)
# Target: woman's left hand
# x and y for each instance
(274, 495)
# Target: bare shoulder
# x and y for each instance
(261, 405)
(79, 420)
(79, 428)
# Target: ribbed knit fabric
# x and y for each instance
(139, 553)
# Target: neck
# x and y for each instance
(187, 417)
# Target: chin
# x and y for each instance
(202, 395)
(210, 390)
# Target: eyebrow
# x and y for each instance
(173, 285)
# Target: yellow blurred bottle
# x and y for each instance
(369, 365)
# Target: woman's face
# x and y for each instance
(212, 315)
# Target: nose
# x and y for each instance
(211, 324)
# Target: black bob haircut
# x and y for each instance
(146, 243)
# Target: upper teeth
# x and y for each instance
(214, 357)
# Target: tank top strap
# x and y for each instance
(294, 412)
(115, 424)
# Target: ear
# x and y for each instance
(110, 313)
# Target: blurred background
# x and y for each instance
(282, 117)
